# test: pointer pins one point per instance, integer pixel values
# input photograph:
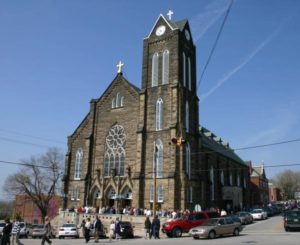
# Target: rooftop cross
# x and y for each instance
(170, 13)
(120, 65)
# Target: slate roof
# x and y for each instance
(215, 143)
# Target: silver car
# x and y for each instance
(212, 228)
(68, 230)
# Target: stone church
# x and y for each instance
(140, 144)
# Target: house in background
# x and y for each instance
(29, 212)
(274, 193)
(258, 185)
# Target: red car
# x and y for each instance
(176, 227)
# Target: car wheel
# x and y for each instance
(195, 237)
(212, 235)
(286, 229)
(236, 232)
(169, 235)
(177, 232)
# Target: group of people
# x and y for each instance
(11, 232)
(86, 227)
(152, 229)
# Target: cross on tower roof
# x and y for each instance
(120, 65)
(170, 13)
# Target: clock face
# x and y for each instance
(160, 30)
(187, 34)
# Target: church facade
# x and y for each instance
(140, 144)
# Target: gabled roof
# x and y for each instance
(216, 144)
(258, 171)
(165, 20)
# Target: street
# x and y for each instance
(265, 232)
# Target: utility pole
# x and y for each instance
(154, 179)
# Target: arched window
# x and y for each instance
(238, 180)
(165, 68)
(212, 183)
(75, 196)
(183, 69)
(188, 160)
(78, 163)
(155, 70)
(160, 194)
(122, 101)
(230, 179)
(187, 116)
(189, 74)
(159, 114)
(245, 182)
(114, 157)
(158, 158)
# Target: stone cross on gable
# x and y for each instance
(120, 65)
(170, 13)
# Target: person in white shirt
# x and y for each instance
(15, 233)
(111, 230)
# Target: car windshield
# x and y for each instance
(125, 224)
(294, 214)
(256, 211)
(39, 227)
(2, 224)
(212, 215)
(68, 225)
(21, 225)
(210, 222)
(242, 214)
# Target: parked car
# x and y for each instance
(245, 217)
(2, 224)
(24, 231)
(235, 218)
(291, 220)
(68, 230)
(38, 231)
(175, 228)
(126, 229)
(259, 214)
(212, 228)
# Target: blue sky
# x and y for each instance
(55, 56)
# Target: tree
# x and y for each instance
(39, 179)
(288, 182)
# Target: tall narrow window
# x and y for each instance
(114, 157)
(122, 101)
(238, 180)
(160, 194)
(230, 179)
(78, 163)
(151, 193)
(113, 103)
(187, 116)
(159, 114)
(158, 158)
(189, 74)
(188, 160)
(222, 177)
(212, 183)
(191, 194)
(183, 69)
(155, 70)
(165, 68)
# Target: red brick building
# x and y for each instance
(259, 185)
(274, 193)
(30, 213)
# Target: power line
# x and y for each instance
(215, 44)
(31, 136)
(26, 164)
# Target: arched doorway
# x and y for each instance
(111, 197)
(126, 200)
(96, 196)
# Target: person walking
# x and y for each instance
(87, 230)
(15, 233)
(98, 228)
(82, 226)
(111, 230)
(147, 227)
(117, 229)
(155, 227)
(47, 231)
(5, 239)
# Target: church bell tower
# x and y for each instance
(168, 110)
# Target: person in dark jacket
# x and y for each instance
(5, 239)
(98, 228)
(117, 229)
(155, 227)
(147, 227)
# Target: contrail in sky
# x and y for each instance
(241, 65)
(203, 21)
